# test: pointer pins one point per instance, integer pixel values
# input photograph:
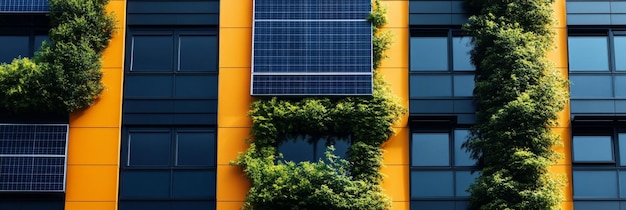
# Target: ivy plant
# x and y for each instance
(64, 75)
(519, 94)
(329, 183)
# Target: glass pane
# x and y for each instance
(148, 86)
(152, 53)
(622, 149)
(596, 205)
(622, 184)
(429, 54)
(426, 184)
(341, 148)
(193, 184)
(595, 184)
(461, 47)
(195, 149)
(620, 86)
(196, 86)
(297, 151)
(590, 86)
(198, 53)
(461, 157)
(149, 149)
(592, 149)
(588, 53)
(13, 47)
(463, 180)
(620, 52)
(430, 149)
(39, 41)
(431, 85)
(463, 85)
(151, 184)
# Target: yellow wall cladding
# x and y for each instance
(94, 142)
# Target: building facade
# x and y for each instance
(178, 87)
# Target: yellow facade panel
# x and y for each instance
(231, 144)
(93, 146)
(397, 148)
(236, 14)
(91, 183)
(91, 205)
(234, 99)
(107, 111)
(232, 185)
(235, 47)
(398, 53)
(397, 12)
(396, 182)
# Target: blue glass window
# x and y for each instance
(303, 148)
(149, 149)
(592, 149)
(588, 53)
(461, 48)
(595, 184)
(461, 156)
(432, 184)
(152, 53)
(192, 149)
(430, 149)
(591, 86)
(429, 54)
(620, 52)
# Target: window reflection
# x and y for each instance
(461, 47)
(588, 53)
(429, 54)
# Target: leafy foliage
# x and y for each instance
(519, 95)
(329, 183)
(64, 75)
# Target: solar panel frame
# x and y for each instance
(279, 69)
(33, 157)
(24, 6)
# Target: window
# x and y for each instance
(440, 64)
(599, 163)
(20, 45)
(165, 168)
(174, 63)
(441, 170)
(304, 148)
(595, 65)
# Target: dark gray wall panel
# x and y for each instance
(589, 12)
(172, 19)
(588, 19)
(173, 7)
(170, 119)
(589, 7)
(464, 106)
(172, 12)
(170, 106)
(437, 13)
(430, 7)
(431, 106)
(592, 106)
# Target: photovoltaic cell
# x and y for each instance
(312, 47)
(25, 6)
(32, 157)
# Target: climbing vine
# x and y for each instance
(64, 75)
(331, 183)
(519, 94)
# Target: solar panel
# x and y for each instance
(33, 157)
(312, 47)
(25, 6)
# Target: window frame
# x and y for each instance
(609, 33)
(613, 129)
(456, 197)
(452, 74)
(172, 168)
